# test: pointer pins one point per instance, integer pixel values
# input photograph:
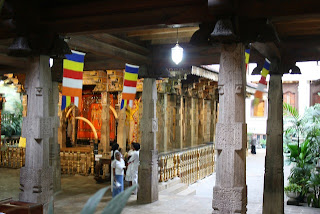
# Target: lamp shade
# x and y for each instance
(177, 53)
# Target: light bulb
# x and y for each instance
(50, 62)
(177, 53)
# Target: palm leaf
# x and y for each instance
(92, 203)
(116, 205)
(289, 110)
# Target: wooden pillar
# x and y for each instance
(194, 121)
(36, 183)
(179, 127)
(273, 197)
(121, 130)
(201, 121)
(165, 123)
(188, 122)
(54, 145)
(62, 125)
(230, 191)
(148, 169)
(213, 120)
(105, 129)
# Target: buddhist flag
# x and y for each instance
(72, 79)
(247, 55)
(262, 85)
(129, 85)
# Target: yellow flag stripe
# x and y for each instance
(130, 76)
(71, 65)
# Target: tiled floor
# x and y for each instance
(77, 190)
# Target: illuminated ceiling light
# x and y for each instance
(50, 62)
(177, 52)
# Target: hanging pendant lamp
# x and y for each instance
(177, 52)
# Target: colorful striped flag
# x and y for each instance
(72, 79)
(129, 85)
(247, 55)
(262, 85)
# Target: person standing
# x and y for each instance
(129, 168)
(134, 163)
(118, 167)
(114, 150)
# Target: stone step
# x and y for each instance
(174, 189)
(187, 191)
(165, 185)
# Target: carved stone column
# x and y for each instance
(54, 145)
(36, 177)
(273, 178)
(148, 169)
(230, 192)
(105, 128)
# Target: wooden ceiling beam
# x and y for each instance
(274, 8)
(118, 21)
(102, 49)
(6, 69)
(16, 62)
(268, 50)
(121, 43)
(168, 36)
(161, 31)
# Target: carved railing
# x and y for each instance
(11, 155)
(190, 164)
(77, 160)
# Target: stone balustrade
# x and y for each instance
(190, 164)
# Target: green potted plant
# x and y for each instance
(314, 195)
(293, 190)
(263, 143)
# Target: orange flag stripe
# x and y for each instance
(74, 92)
(126, 96)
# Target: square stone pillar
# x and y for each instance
(36, 183)
(273, 196)
(148, 169)
(230, 192)
(54, 145)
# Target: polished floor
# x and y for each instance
(77, 189)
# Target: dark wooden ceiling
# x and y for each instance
(142, 32)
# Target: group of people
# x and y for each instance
(129, 163)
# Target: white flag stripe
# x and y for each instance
(76, 101)
(130, 103)
(133, 66)
(129, 90)
(72, 83)
(261, 87)
(78, 52)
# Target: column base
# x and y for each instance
(229, 200)
(36, 185)
(148, 180)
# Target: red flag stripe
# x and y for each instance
(130, 83)
(72, 99)
(72, 74)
